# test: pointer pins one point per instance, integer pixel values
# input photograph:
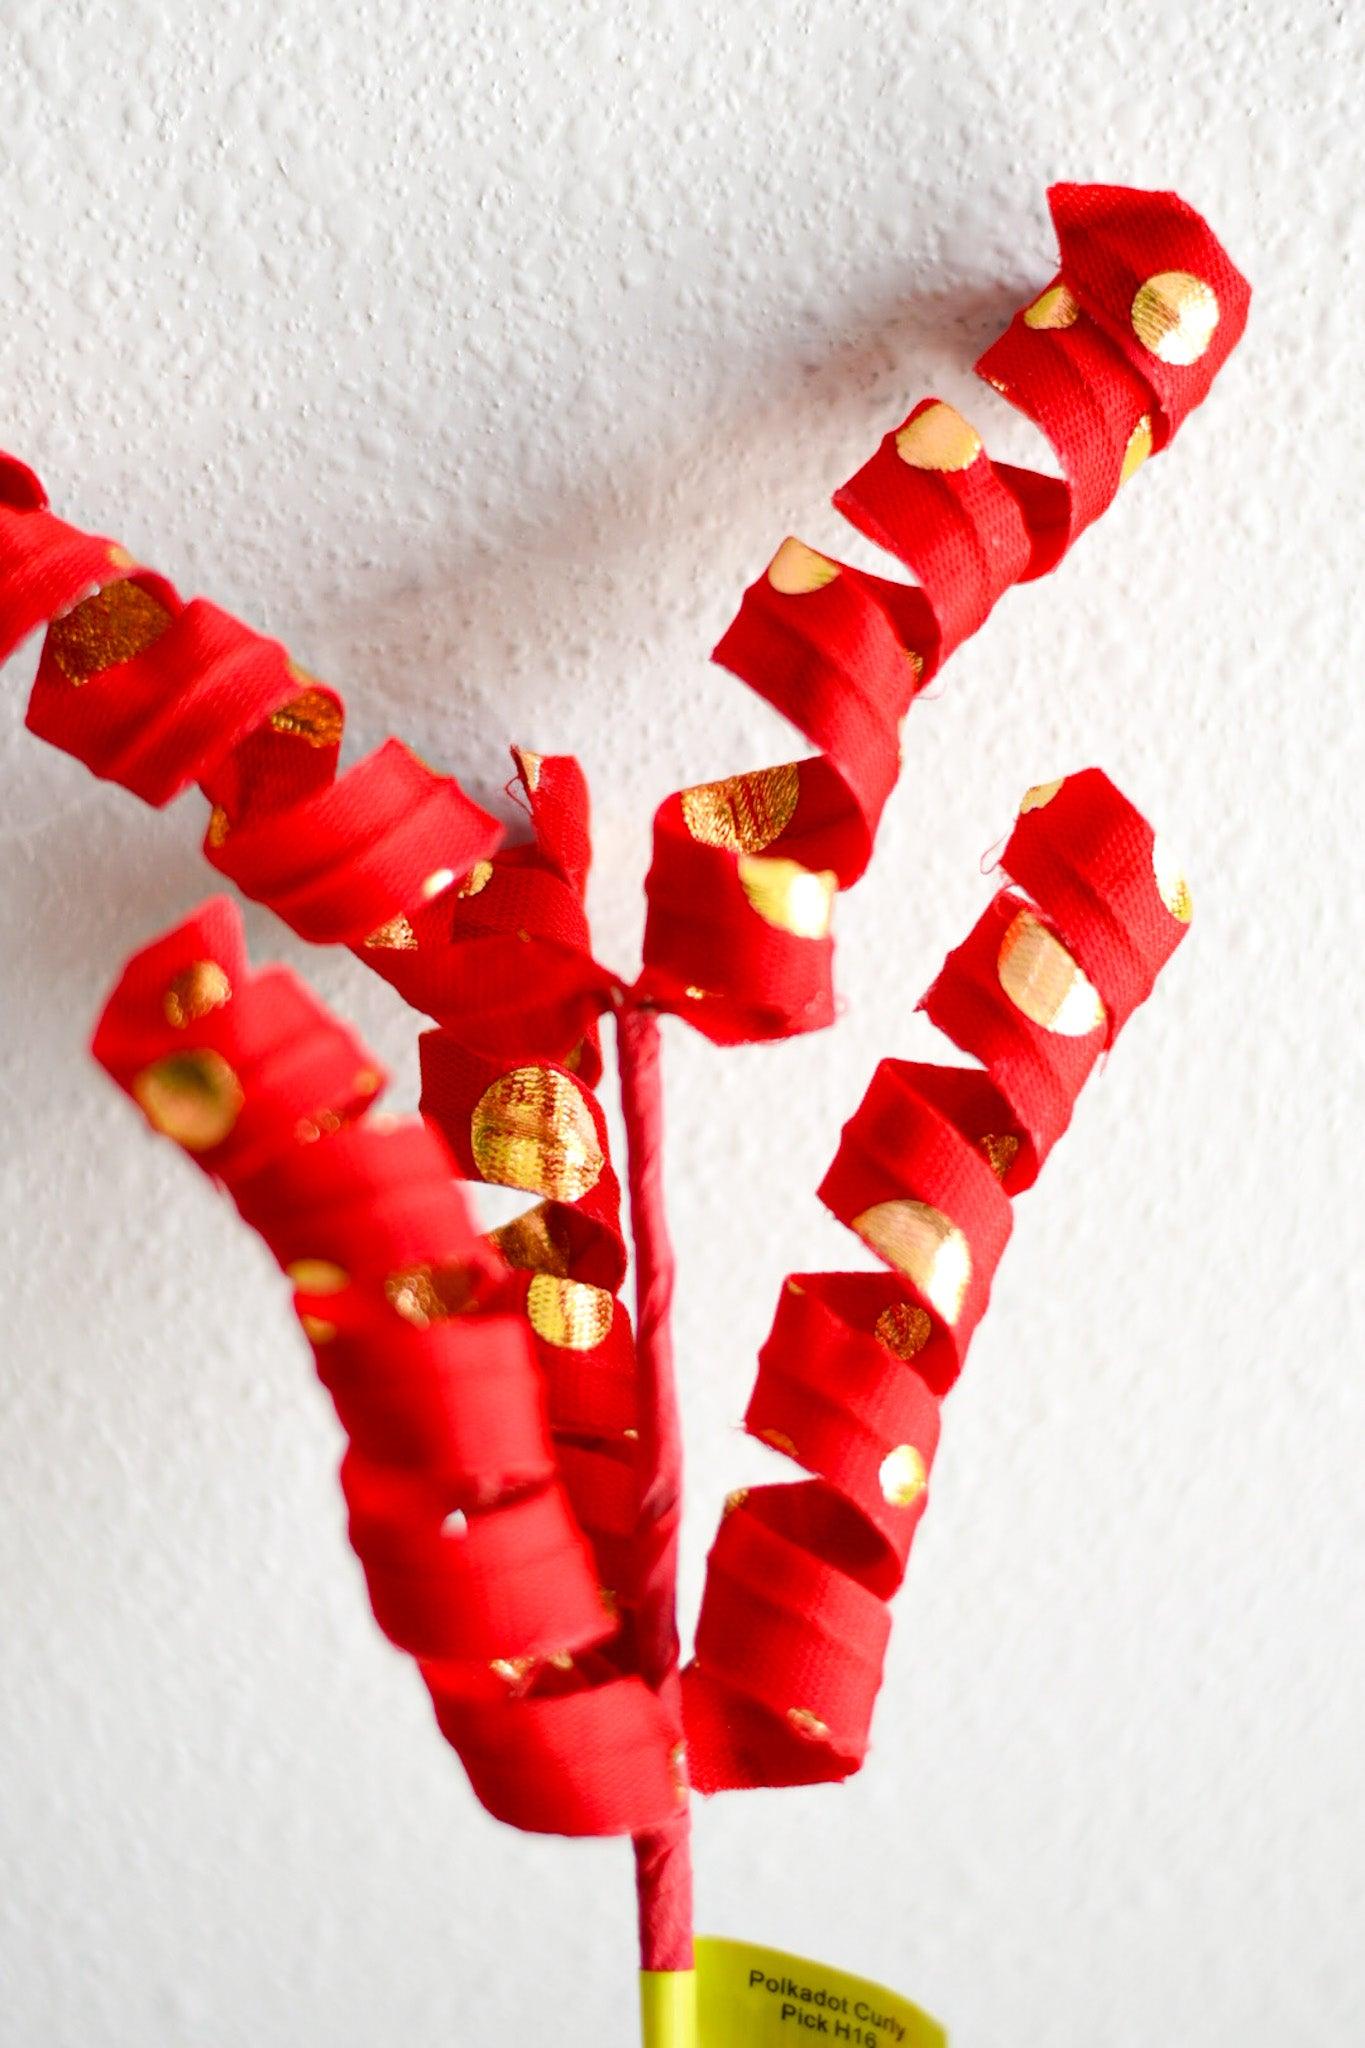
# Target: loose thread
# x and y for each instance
(663, 1859)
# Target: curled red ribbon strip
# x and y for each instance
(794, 1618)
(459, 1512)
(1108, 360)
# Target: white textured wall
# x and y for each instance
(484, 353)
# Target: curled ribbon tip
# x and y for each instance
(460, 1508)
(1107, 360)
(794, 1618)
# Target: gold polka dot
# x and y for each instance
(611, 1604)
(1001, 1151)
(1172, 887)
(193, 1097)
(119, 558)
(569, 1313)
(533, 1129)
(938, 438)
(317, 1276)
(423, 1295)
(796, 569)
(195, 991)
(915, 659)
(478, 878)
(786, 895)
(1055, 307)
(1041, 794)
(694, 994)
(531, 765)
(317, 1329)
(808, 1725)
(112, 626)
(1174, 316)
(218, 827)
(921, 1242)
(397, 936)
(902, 1476)
(745, 812)
(1043, 981)
(314, 717)
(779, 1441)
(734, 1501)
(529, 1243)
(1138, 448)
(512, 1670)
(904, 1328)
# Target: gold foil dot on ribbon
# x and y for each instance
(103, 630)
(367, 1082)
(478, 878)
(569, 1313)
(1172, 887)
(921, 1242)
(218, 827)
(529, 1243)
(1041, 794)
(796, 569)
(787, 896)
(1139, 447)
(1174, 316)
(423, 1295)
(196, 990)
(193, 1097)
(532, 1129)
(317, 1276)
(779, 1440)
(611, 1604)
(1001, 1150)
(530, 765)
(915, 659)
(904, 1328)
(119, 558)
(939, 439)
(734, 1501)
(809, 1726)
(902, 1477)
(1056, 307)
(397, 936)
(317, 1329)
(744, 812)
(512, 1670)
(1043, 981)
(314, 717)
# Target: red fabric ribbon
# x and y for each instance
(491, 942)
(1108, 360)
(794, 1619)
(459, 1508)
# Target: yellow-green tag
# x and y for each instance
(747, 1997)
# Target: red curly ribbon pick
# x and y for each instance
(794, 1618)
(513, 1466)
(1107, 360)
(473, 1555)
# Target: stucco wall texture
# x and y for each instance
(484, 354)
